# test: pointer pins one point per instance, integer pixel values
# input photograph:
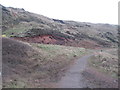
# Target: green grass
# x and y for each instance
(13, 31)
(4, 36)
(18, 29)
(56, 50)
(15, 84)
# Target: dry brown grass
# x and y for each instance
(32, 65)
(106, 62)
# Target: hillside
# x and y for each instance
(41, 52)
(35, 65)
(30, 27)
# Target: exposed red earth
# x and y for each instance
(49, 39)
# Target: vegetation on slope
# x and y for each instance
(106, 62)
(20, 23)
(34, 65)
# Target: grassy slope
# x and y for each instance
(44, 64)
(56, 60)
(106, 62)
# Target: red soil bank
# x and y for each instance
(49, 39)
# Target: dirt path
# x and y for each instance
(73, 77)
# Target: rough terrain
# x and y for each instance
(25, 64)
(27, 26)
(41, 52)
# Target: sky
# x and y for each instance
(94, 11)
